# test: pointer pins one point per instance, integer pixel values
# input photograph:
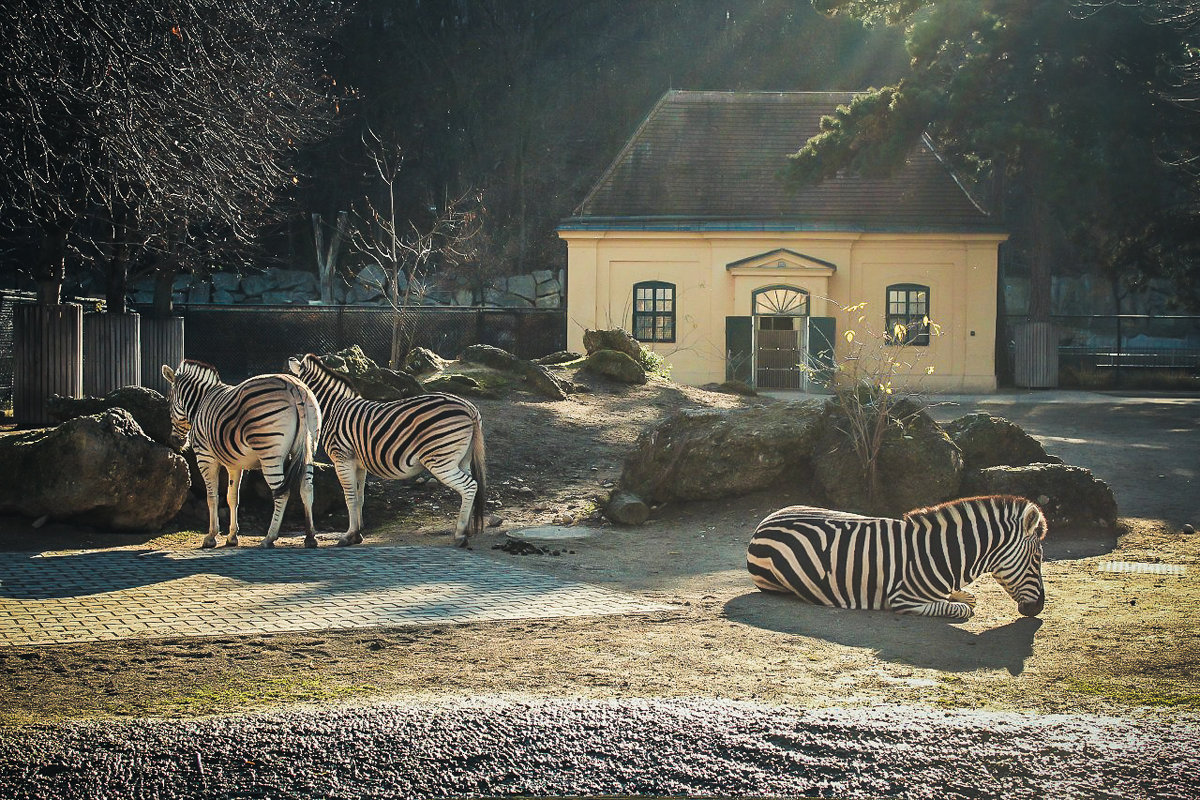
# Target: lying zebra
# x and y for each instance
(269, 422)
(399, 439)
(915, 565)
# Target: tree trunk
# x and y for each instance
(164, 289)
(51, 269)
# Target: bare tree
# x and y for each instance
(406, 251)
(171, 121)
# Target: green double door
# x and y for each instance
(778, 351)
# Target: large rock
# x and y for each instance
(614, 339)
(100, 469)
(369, 379)
(987, 441)
(147, 406)
(703, 454)
(461, 385)
(917, 464)
(539, 379)
(1070, 496)
(616, 366)
(423, 361)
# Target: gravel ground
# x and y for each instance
(499, 747)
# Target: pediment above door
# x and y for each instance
(782, 261)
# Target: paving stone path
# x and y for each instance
(93, 596)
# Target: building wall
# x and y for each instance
(603, 266)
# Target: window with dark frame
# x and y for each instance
(908, 305)
(654, 311)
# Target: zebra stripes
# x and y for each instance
(399, 439)
(915, 565)
(269, 422)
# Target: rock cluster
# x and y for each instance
(615, 355)
(707, 454)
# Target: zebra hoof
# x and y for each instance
(267, 543)
(460, 542)
(232, 541)
(344, 542)
(208, 544)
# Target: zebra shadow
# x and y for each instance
(925, 642)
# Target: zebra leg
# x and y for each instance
(306, 496)
(348, 471)
(211, 472)
(273, 473)
(953, 607)
(232, 492)
(465, 485)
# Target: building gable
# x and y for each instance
(783, 261)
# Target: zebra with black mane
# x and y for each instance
(918, 564)
(399, 439)
(268, 422)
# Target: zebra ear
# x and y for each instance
(294, 365)
(169, 374)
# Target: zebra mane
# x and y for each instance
(200, 371)
(999, 500)
(338, 383)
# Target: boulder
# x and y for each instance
(1069, 496)
(987, 441)
(461, 385)
(100, 469)
(702, 454)
(369, 379)
(422, 361)
(539, 379)
(561, 357)
(626, 508)
(148, 408)
(615, 365)
(614, 339)
(917, 464)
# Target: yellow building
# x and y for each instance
(691, 242)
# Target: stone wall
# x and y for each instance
(539, 289)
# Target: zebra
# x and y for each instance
(399, 439)
(915, 565)
(268, 422)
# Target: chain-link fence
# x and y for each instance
(248, 340)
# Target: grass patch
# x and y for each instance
(1158, 695)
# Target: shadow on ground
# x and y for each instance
(916, 641)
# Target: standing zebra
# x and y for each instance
(399, 439)
(269, 422)
(915, 565)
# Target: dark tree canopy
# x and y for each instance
(1071, 116)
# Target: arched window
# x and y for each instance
(654, 311)
(908, 305)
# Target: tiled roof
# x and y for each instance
(715, 160)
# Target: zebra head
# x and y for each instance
(1020, 570)
(188, 384)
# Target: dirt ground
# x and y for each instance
(1107, 642)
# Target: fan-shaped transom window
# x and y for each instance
(780, 300)
(654, 311)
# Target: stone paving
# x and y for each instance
(115, 594)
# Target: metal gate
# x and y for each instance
(779, 350)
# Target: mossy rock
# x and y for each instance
(462, 385)
(369, 379)
(616, 366)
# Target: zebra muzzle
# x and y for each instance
(1033, 607)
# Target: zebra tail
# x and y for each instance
(479, 473)
(301, 454)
